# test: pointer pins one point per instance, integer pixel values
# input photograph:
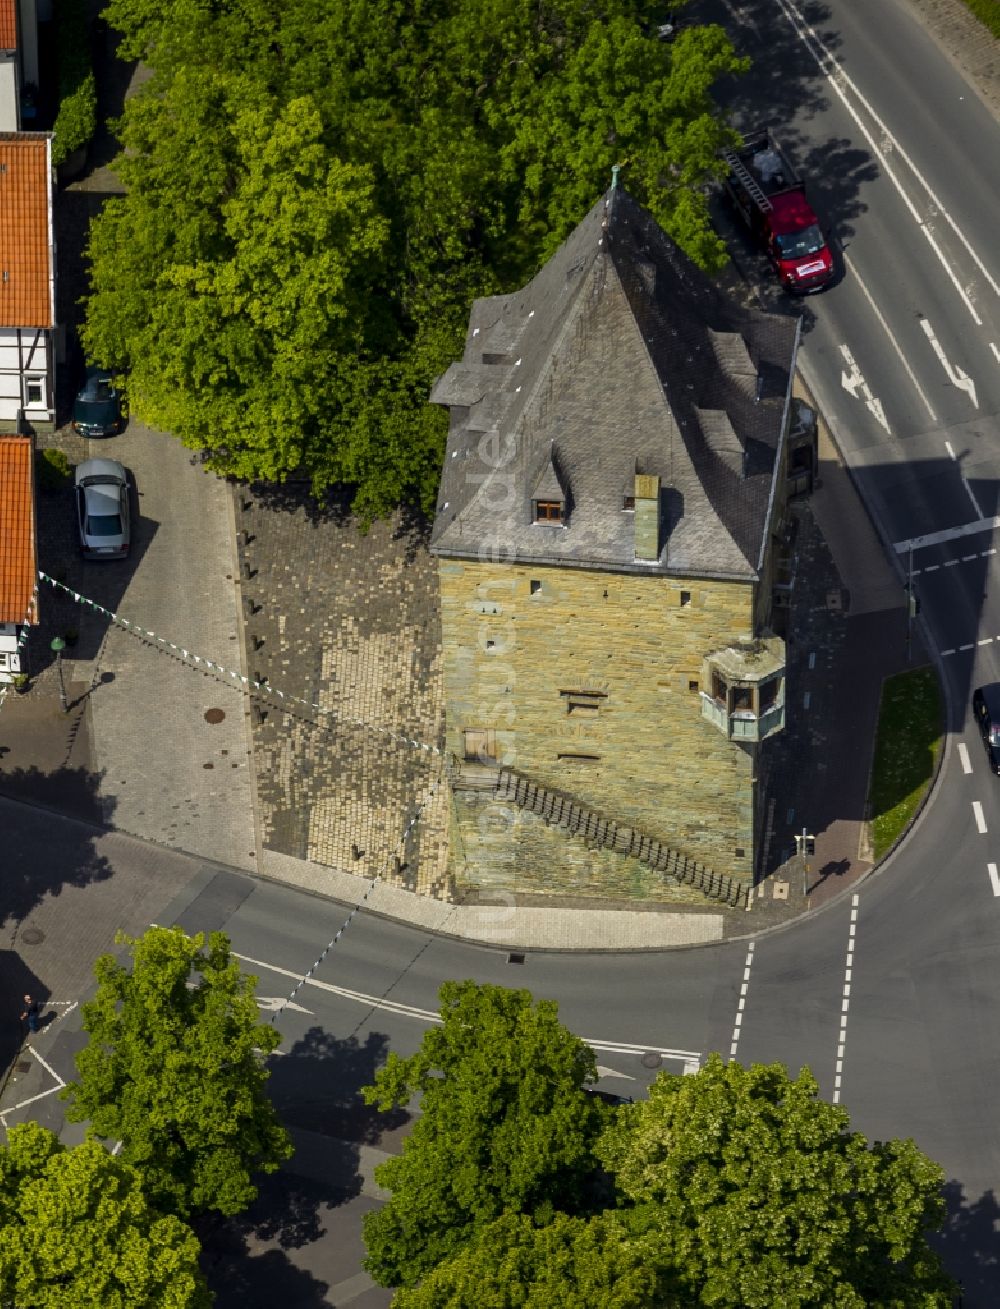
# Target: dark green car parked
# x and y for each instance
(97, 410)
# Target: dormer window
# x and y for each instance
(551, 502)
(548, 511)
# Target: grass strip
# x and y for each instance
(907, 744)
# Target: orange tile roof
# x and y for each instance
(8, 25)
(25, 254)
(18, 565)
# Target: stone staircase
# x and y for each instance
(597, 831)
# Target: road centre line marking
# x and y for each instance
(970, 646)
(968, 558)
(812, 659)
(429, 1015)
(963, 754)
(994, 878)
(845, 1004)
(950, 563)
(977, 810)
(835, 74)
(748, 964)
(996, 352)
(987, 640)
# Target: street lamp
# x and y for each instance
(58, 645)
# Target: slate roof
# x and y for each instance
(26, 271)
(619, 357)
(18, 564)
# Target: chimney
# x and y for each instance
(647, 517)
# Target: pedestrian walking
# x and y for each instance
(32, 1010)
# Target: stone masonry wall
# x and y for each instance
(518, 641)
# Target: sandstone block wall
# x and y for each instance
(588, 682)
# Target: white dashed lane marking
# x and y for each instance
(742, 1001)
(950, 563)
(980, 817)
(963, 754)
(994, 878)
(845, 1003)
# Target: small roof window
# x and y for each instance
(548, 511)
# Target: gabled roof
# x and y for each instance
(18, 564)
(8, 24)
(27, 287)
(619, 355)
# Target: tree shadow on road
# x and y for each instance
(969, 1243)
(315, 1087)
(244, 1281)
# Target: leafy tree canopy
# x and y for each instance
(571, 1263)
(76, 1232)
(504, 1127)
(758, 1194)
(174, 1071)
(317, 190)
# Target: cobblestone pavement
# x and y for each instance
(349, 622)
(168, 745)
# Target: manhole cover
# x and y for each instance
(32, 936)
(214, 715)
(651, 1059)
(22, 1066)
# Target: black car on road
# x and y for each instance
(986, 709)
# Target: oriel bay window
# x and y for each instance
(747, 699)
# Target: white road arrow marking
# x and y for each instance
(610, 1072)
(957, 376)
(272, 1003)
(853, 383)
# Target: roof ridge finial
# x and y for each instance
(615, 170)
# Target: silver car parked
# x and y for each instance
(102, 509)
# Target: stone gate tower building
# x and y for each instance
(613, 487)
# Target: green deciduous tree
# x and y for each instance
(317, 190)
(504, 1127)
(76, 1232)
(570, 1263)
(174, 1070)
(758, 1194)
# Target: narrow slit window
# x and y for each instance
(579, 758)
(583, 703)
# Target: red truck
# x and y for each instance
(772, 199)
